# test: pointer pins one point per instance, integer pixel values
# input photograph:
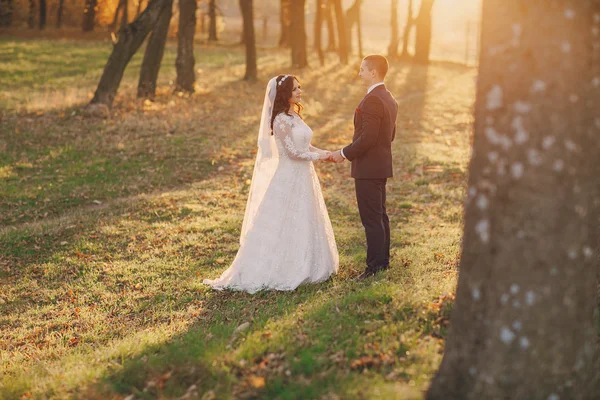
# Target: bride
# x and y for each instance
(286, 237)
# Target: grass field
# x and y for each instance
(108, 226)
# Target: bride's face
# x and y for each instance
(296, 93)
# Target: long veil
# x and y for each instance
(267, 158)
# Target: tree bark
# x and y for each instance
(525, 320)
(298, 37)
(31, 16)
(285, 22)
(212, 26)
(128, 43)
(59, 13)
(154, 53)
(330, 12)
(319, 19)
(43, 12)
(341, 25)
(6, 12)
(89, 15)
(249, 39)
(113, 24)
(185, 62)
(423, 35)
(353, 18)
(395, 39)
(410, 21)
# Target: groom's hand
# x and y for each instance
(336, 156)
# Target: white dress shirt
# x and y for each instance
(368, 91)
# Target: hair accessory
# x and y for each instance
(283, 79)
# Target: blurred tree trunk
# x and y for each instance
(410, 21)
(395, 40)
(59, 13)
(185, 62)
(128, 43)
(249, 39)
(139, 8)
(423, 34)
(31, 16)
(525, 321)
(154, 53)
(298, 34)
(6, 12)
(285, 22)
(319, 19)
(341, 25)
(43, 12)
(113, 24)
(212, 14)
(353, 18)
(125, 17)
(329, 14)
(89, 15)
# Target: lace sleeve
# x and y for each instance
(282, 128)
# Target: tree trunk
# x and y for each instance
(113, 24)
(249, 39)
(353, 18)
(285, 22)
(154, 53)
(298, 38)
(341, 25)
(139, 8)
(6, 12)
(395, 40)
(320, 13)
(128, 43)
(410, 22)
(89, 15)
(59, 13)
(31, 16)
(212, 26)
(43, 9)
(329, 13)
(423, 35)
(186, 74)
(125, 17)
(524, 324)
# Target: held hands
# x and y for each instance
(329, 156)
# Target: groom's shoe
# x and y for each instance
(367, 274)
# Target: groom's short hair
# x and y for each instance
(378, 63)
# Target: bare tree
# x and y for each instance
(6, 12)
(59, 13)
(285, 21)
(423, 35)
(525, 321)
(395, 40)
(43, 12)
(410, 22)
(353, 18)
(212, 15)
(341, 25)
(298, 38)
(154, 53)
(249, 39)
(186, 76)
(319, 19)
(31, 15)
(329, 14)
(128, 43)
(89, 15)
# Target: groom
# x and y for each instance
(371, 156)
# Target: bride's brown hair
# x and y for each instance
(282, 97)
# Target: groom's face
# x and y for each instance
(366, 74)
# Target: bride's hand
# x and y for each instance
(325, 156)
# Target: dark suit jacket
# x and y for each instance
(374, 131)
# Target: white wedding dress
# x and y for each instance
(287, 239)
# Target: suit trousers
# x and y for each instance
(370, 195)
